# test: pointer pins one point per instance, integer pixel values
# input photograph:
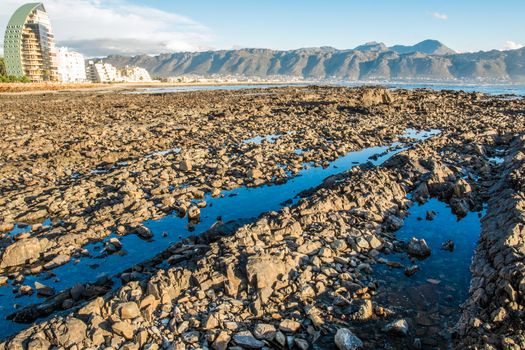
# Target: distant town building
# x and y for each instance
(29, 44)
(99, 72)
(71, 66)
(134, 74)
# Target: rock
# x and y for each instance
(194, 213)
(263, 271)
(410, 270)
(185, 165)
(289, 326)
(44, 290)
(73, 333)
(430, 215)
(26, 290)
(221, 341)
(448, 245)
(128, 310)
(394, 223)
(418, 248)
(365, 310)
(57, 261)
(301, 344)
(113, 245)
(23, 251)
(191, 337)
(346, 340)
(398, 327)
(254, 173)
(123, 329)
(247, 340)
(264, 331)
(144, 232)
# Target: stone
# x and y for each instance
(410, 270)
(418, 248)
(185, 165)
(289, 326)
(58, 260)
(43, 290)
(221, 341)
(23, 251)
(264, 270)
(123, 329)
(191, 337)
(194, 213)
(128, 310)
(254, 173)
(398, 327)
(364, 311)
(430, 215)
(346, 340)
(247, 340)
(264, 331)
(301, 344)
(448, 245)
(144, 232)
(73, 333)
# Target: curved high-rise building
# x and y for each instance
(29, 44)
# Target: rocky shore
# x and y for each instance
(493, 316)
(302, 277)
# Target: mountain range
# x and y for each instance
(428, 60)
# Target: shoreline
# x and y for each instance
(51, 88)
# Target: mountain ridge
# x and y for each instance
(427, 60)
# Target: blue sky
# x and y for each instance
(139, 26)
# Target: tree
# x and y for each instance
(2, 67)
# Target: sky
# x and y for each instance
(129, 27)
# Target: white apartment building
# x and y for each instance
(71, 66)
(102, 72)
(134, 74)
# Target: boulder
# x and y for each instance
(23, 251)
(128, 310)
(346, 340)
(418, 248)
(246, 340)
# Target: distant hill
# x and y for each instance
(430, 47)
(427, 60)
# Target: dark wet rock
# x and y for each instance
(448, 245)
(430, 215)
(346, 340)
(43, 290)
(418, 248)
(247, 340)
(398, 327)
(144, 232)
(411, 270)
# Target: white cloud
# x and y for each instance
(97, 27)
(511, 45)
(440, 16)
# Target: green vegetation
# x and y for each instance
(2, 67)
(4, 78)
